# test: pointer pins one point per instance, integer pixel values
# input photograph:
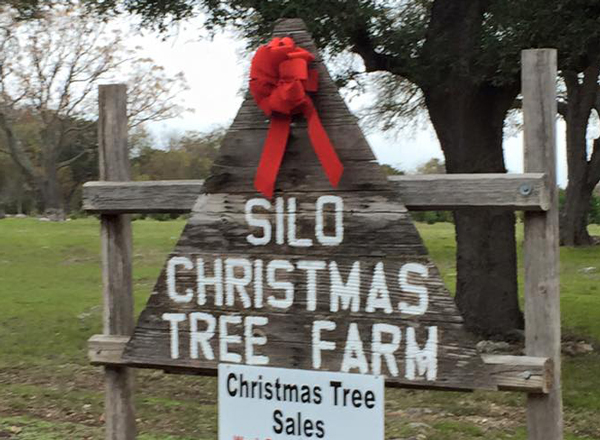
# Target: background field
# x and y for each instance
(50, 304)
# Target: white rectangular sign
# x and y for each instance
(261, 403)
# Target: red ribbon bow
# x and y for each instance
(279, 80)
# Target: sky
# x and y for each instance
(216, 71)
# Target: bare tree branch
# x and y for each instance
(363, 45)
(50, 69)
(16, 152)
(70, 161)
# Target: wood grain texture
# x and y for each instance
(106, 349)
(521, 373)
(511, 373)
(542, 297)
(527, 192)
(377, 233)
(167, 196)
(116, 260)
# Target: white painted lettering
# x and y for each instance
(202, 338)
(286, 286)
(202, 281)
(292, 238)
(172, 282)
(354, 355)
(318, 344)
(174, 320)
(347, 294)
(328, 240)
(225, 339)
(385, 350)
(421, 362)
(379, 297)
(251, 340)
(311, 268)
(418, 289)
(258, 222)
(234, 284)
(279, 221)
(258, 284)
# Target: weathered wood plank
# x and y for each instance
(106, 349)
(163, 196)
(511, 373)
(224, 229)
(521, 373)
(542, 302)
(517, 191)
(116, 260)
(419, 193)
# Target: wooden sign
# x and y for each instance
(315, 278)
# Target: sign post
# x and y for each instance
(542, 287)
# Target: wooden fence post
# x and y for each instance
(542, 306)
(116, 259)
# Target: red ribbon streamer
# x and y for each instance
(279, 80)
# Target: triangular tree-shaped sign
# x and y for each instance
(316, 277)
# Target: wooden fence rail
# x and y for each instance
(526, 374)
(526, 192)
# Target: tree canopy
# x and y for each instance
(399, 38)
(391, 35)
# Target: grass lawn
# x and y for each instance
(50, 304)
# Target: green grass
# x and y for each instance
(579, 288)
(50, 304)
(50, 275)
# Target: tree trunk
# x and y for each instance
(469, 123)
(583, 174)
(51, 193)
(574, 214)
(468, 113)
(45, 182)
(68, 202)
(486, 262)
